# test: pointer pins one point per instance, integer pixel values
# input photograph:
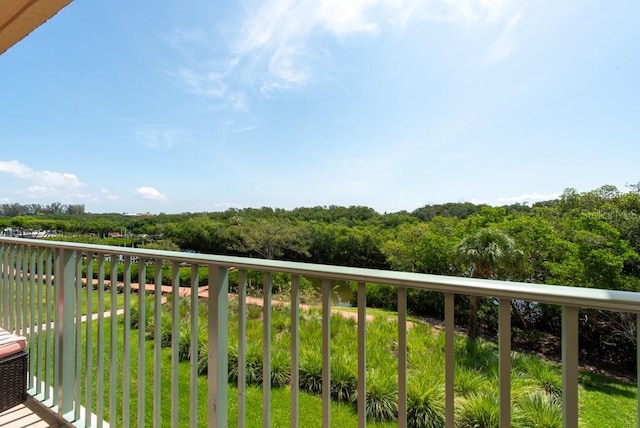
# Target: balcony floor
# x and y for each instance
(30, 414)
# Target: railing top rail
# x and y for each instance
(553, 294)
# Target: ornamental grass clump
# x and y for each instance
(184, 341)
(468, 381)
(382, 395)
(535, 385)
(311, 371)
(203, 357)
(479, 410)
(548, 378)
(537, 409)
(166, 326)
(425, 402)
(344, 379)
(280, 369)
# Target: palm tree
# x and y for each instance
(490, 254)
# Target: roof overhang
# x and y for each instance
(18, 18)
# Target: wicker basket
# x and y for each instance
(13, 380)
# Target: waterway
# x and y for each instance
(341, 294)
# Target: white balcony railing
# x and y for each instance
(42, 293)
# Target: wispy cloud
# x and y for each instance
(505, 44)
(242, 129)
(159, 136)
(474, 10)
(108, 194)
(278, 44)
(150, 193)
(213, 83)
(45, 183)
(180, 37)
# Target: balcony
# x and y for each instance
(89, 373)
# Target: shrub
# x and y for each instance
(425, 302)
(381, 296)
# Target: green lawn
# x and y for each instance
(606, 402)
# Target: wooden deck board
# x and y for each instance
(31, 414)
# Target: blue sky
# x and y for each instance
(191, 106)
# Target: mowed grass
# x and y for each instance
(24, 301)
(606, 402)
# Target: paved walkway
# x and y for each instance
(203, 291)
(257, 301)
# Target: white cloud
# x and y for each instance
(476, 201)
(57, 179)
(45, 183)
(530, 197)
(477, 10)
(276, 46)
(244, 128)
(16, 169)
(159, 136)
(150, 193)
(107, 193)
(227, 205)
(505, 44)
(213, 84)
(39, 190)
(342, 18)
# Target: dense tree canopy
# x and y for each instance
(589, 239)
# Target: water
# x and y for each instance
(341, 294)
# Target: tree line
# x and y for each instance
(16, 209)
(589, 239)
(582, 239)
